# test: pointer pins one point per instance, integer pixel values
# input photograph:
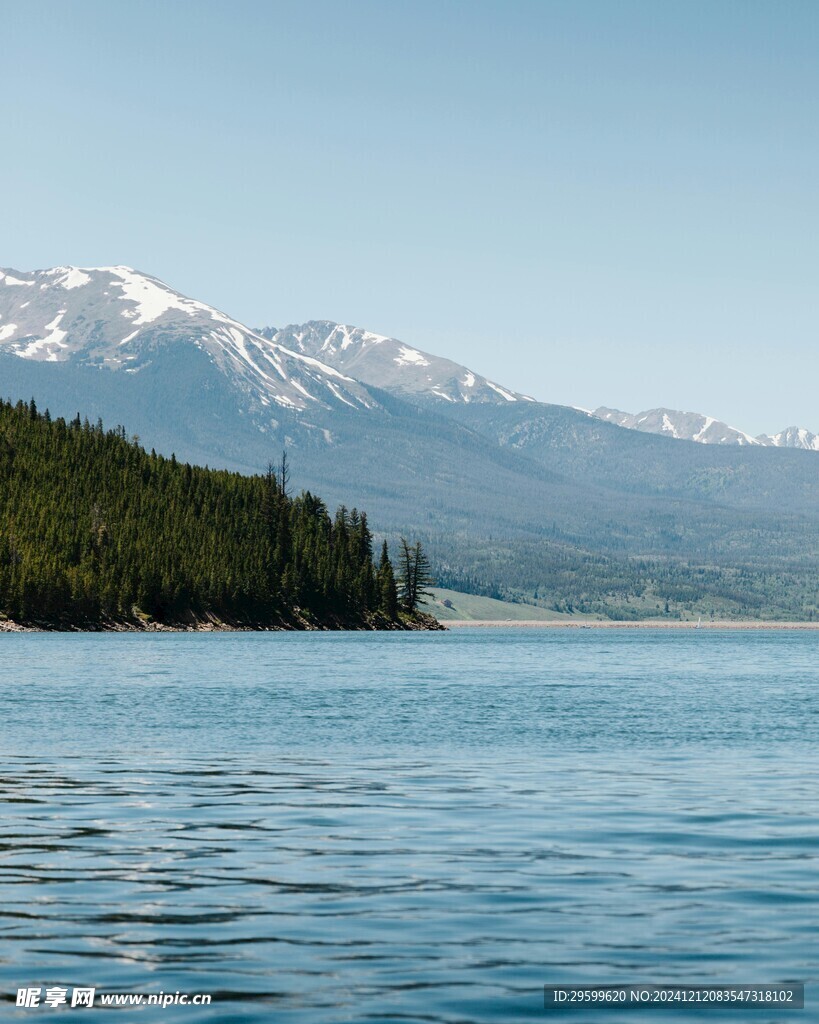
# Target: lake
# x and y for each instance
(408, 827)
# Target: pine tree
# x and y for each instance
(422, 576)
(413, 577)
(387, 590)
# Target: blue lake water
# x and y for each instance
(408, 827)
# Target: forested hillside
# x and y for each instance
(96, 531)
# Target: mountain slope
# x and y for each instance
(693, 426)
(781, 483)
(390, 364)
(688, 426)
(793, 437)
(119, 319)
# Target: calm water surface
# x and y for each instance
(411, 828)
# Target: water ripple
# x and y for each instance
(327, 842)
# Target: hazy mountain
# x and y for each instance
(390, 364)
(694, 426)
(792, 437)
(687, 426)
(505, 491)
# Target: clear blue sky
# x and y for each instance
(594, 202)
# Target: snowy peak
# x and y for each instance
(390, 364)
(688, 426)
(121, 319)
(323, 337)
(141, 299)
(694, 426)
(792, 437)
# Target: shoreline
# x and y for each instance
(722, 624)
(422, 624)
(9, 626)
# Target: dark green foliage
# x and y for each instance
(387, 589)
(95, 530)
(413, 577)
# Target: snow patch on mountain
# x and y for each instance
(48, 347)
(504, 393)
(338, 394)
(409, 356)
(152, 298)
(9, 280)
(390, 364)
(668, 426)
(66, 277)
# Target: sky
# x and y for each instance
(596, 203)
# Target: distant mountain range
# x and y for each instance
(693, 426)
(71, 314)
(512, 496)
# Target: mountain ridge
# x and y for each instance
(508, 494)
(388, 363)
(74, 313)
(318, 362)
(694, 426)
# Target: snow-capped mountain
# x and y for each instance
(694, 426)
(428, 447)
(389, 364)
(792, 437)
(120, 319)
(689, 426)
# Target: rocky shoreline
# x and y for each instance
(421, 623)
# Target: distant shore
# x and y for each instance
(752, 624)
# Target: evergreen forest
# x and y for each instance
(95, 532)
